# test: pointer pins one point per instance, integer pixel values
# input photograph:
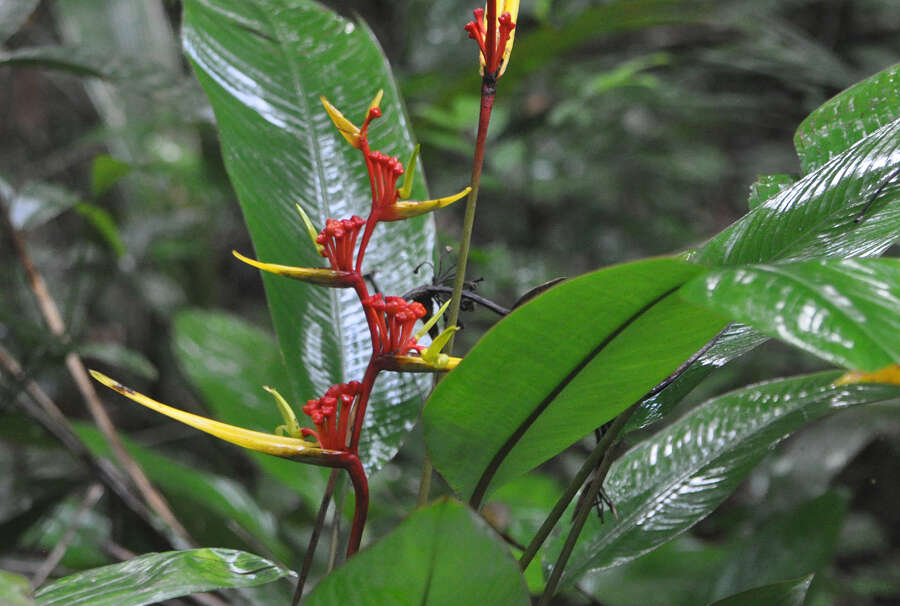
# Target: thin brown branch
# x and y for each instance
(314, 538)
(53, 318)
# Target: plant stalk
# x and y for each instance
(314, 538)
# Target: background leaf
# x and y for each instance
(13, 14)
(441, 555)
(14, 590)
(786, 593)
(669, 482)
(844, 311)
(848, 117)
(817, 216)
(264, 66)
(228, 360)
(576, 356)
(155, 577)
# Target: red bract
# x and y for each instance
(393, 319)
(338, 240)
(331, 413)
(384, 171)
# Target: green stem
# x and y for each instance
(600, 451)
(425, 482)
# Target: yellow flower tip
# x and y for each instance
(889, 375)
(277, 445)
(432, 353)
(310, 229)
(511, 7)
(432, 321)
(442, 363)
(407, 210)
(376, 102)
(291, 427)
(406, 189)
(313, 275)
(349, 130)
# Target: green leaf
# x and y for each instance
(155, 577)
(72, 59)
(13, 15)
(264, 65)
(198, 490)
(846, 208)
(14, 590)
(671, 481)
(105, 172)
(767, 186)
(786, 593)
(785, 545)
(37, 203)
(441, 555)
(848, 117)
(105, 225)
(119, 356)
(844, 311)
(560, 366)
(228, 360)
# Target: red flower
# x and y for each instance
(393, 319)
(331, 413)
(338, 241)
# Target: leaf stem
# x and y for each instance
(604, 450)
(314, 538)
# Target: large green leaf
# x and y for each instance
(848, 117)
(155, 577)
(14, 590)
(441, 555)
(844, 311)
(846, 208)
(560, 366)
(668, 483)
(228, 360)
(199, 491)
(263, 65)
(785, 593)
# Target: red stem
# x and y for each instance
(361, 507)
(367, 383)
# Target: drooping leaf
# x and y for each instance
(199, 490)
(105, 171)
(848, 117)
(560, 366)
(784, 546)
(36, 203)
(14, 590)
(441, 555)
(671, 481)
(72, 59)
(228, 361)
(155, 577)
(846, 208)
(785, 593)
(14, 14)
(844, 311)
(105, 225)
(264, 64)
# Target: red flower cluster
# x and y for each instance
(493, 41)
(393, 319)
(331, 413)
(338, 241)
(384, 171)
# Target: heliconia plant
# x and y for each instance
(603, 355)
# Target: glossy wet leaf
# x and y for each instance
(441, 555)
(228, 360)
(195, 491)
(785, 593)
(818, 215)
(844, 311)
(14, 590)
(785, 545)
(155, 577)
(14, 14)
(671, 481)
(264, 65)
(766, 187)
(848, 117)
(560, 366)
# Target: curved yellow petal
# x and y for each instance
(406, 188)
(890, 375)
(376, 101)
(432, 353)
(291, 425)
(314, 275)
(349, 130)
(442, 363)
(310, 229)
(405, 210)
(511, 7)
(279, 446)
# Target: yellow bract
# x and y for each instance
(511, 7)
(279, 446)
(314, 275)
(890, 375)
(405, 210)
